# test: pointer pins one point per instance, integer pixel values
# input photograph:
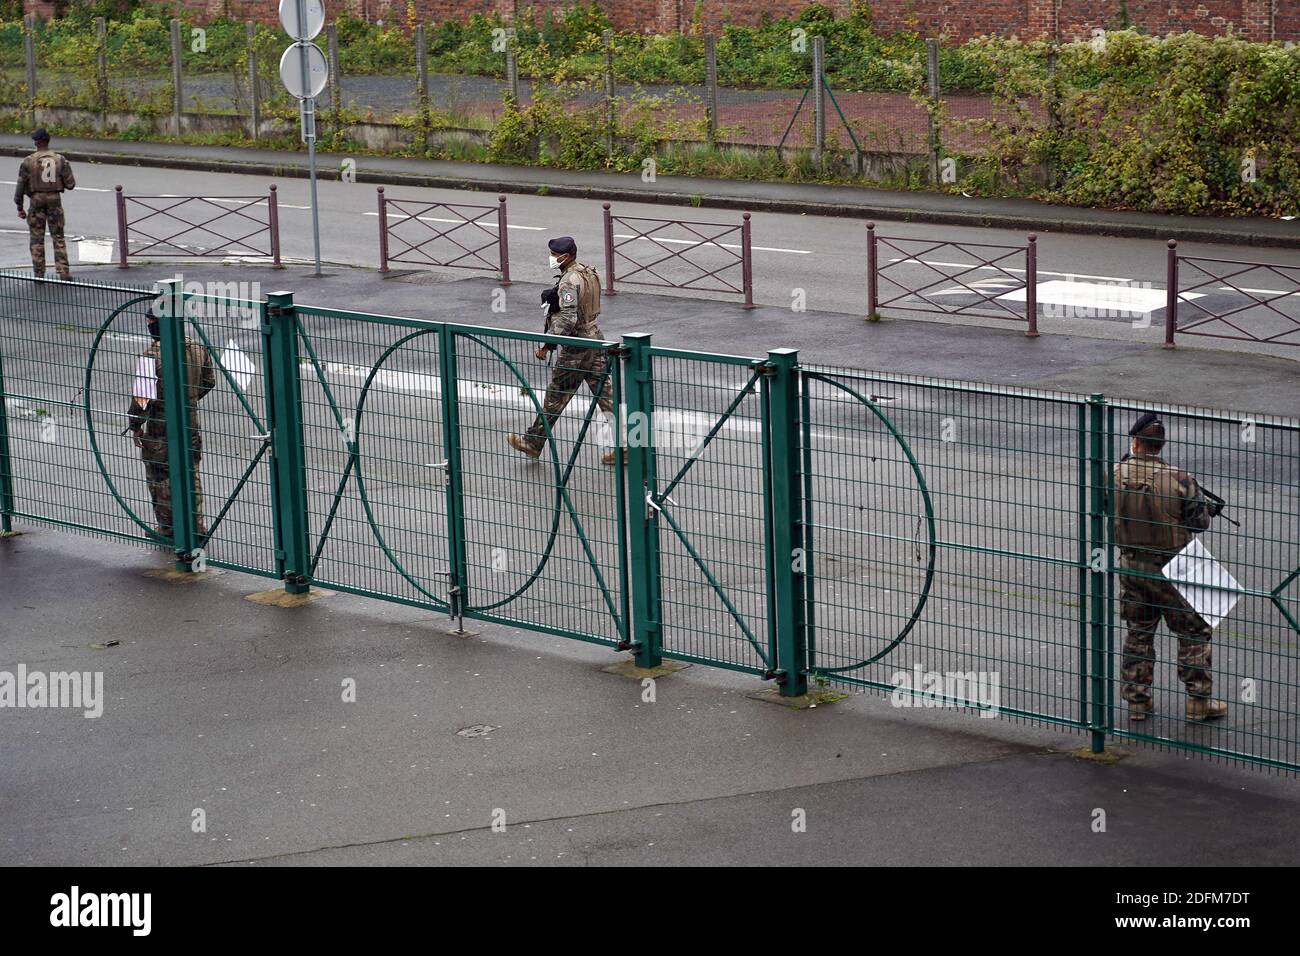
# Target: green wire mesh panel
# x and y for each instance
(373, 442)
(943, 531)
(710, 448)
(234, 472)
(68, 356)
(1252, 660)
(543, 539)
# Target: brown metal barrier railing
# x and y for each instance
(706, 235)
(988, 258)
(492, 254)
(1226, 280)
(254, 219)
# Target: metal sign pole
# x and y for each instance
(309, 132)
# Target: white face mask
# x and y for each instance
(555, 263)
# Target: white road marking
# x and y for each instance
(484, 223)
(1228, 288)
(1091, 295)
(1041, 272)
(724, 245)
(79, 189)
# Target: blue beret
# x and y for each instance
(1148, 426)
(564, 245)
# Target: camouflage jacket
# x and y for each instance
(1158, 508)
(579, 299)
(152, 414)
(43, 175)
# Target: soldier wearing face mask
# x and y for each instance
(577, 305)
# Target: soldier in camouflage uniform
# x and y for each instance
(1158, 509)
(148, 423)
(578, 305)
(44, 175)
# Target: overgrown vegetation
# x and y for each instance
(1187, 124)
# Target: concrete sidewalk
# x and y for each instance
(217, 704)
(825, 200)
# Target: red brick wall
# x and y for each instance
(960, 19)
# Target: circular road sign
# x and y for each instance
(291, 70)
(315, 21)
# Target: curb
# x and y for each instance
(1190, 232)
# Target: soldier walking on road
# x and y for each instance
(1158, 509)
(147, 418)
(578, 305)
(44, 175)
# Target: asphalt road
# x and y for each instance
(1097, 286)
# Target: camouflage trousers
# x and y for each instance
(573, 367)
(1143, 602)
(38, 218)
(158, 475)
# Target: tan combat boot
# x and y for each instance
(521, 444)
(1139, 710)
(1203, 708)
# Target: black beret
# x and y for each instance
(1148, 426)
(41, 135)
(564, 245)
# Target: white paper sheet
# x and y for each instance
(238, 364)
(146, 379)
(1203, 582)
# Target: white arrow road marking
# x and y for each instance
(724, 245)
(1098, 296)
(484, 223)
(1042, 272)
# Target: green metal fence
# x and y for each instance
(945, 543)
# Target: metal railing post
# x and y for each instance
(747, 261)
(122, 248)
(711, 85)
(422, 88)
(176, 404)
(178, 92)
(819, 101)
(932, 105)
(503, 240)
(335, 86)
(607, 39)
(1097, 616)
(1171, 300)
(609, 252)
(642, 514)
(458, 562)
(383, 232)
(791, 661)
(254, 91)
(101, 69)
(273, 223)
(6, 462)
(29, 55)
(873, 277)
(1031, 285)
(288, 461)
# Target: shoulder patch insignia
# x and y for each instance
(568, 296)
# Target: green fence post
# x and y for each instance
(6, 461)
(458, 567)
(786, 519)
(288, 463)
(642, 512)
(1099, 566)
(176, 402)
